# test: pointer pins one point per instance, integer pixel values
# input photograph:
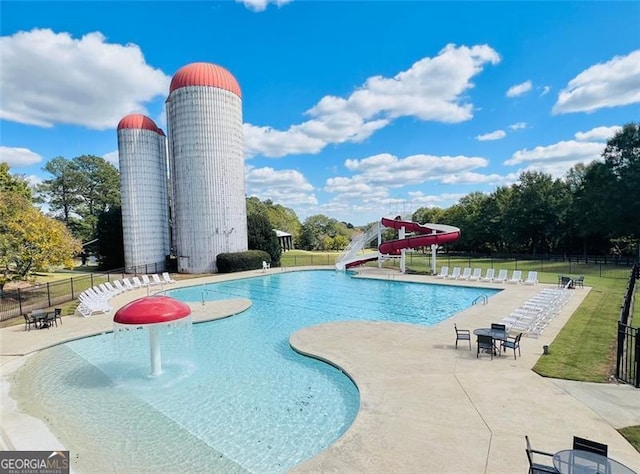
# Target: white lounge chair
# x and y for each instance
(145, 280)
(532, 278)
(477, 273)
(135, 281)
(444, 272)
(119, 286)
(166, 278)
(455, 273)
(516, 277)
(489, 275)
(265, 266)
(155, 279)
(502, 276)
(466, 273)
(127, 284)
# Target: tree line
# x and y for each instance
(594, 209)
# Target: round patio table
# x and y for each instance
(494, 333)
(575, 461)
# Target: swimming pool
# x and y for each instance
(234, 396)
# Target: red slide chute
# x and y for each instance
(430, 234)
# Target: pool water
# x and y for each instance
(233, 397)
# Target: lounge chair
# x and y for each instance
(265, 266)
(455, 273)
(145, 280)
(444, 272)
(113, 289)
(502, 276)
(516, 277)
(117, 284)
(466, 273)
(135, 281)
(532, 278)
(155, 279)
(489, 275)
(477, 273)
(166, 278)
(127, 284)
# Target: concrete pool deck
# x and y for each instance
(425, 407)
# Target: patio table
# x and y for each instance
(576, 461)
(496, 335)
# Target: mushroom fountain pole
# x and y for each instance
(151, 313)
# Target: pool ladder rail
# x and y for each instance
(483, 298)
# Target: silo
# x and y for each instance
(204, 114)
(142, 152)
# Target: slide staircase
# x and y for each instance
(352, 254)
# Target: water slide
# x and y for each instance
(428, 234)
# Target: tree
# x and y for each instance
(61, 192)
(14, 184)
(261, 236)
(110, 247)
(316, 228)
(29, 240)
(281, 218)
(99, 187)
(622, 159)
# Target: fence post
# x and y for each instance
(48, 295)
(19, 300)
(73, 296)
(637, 355)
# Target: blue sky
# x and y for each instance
(355, 110)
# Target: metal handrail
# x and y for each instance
(483, 298)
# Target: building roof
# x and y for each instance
(281, 233)
(205, 74)
(138, 121)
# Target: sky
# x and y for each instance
(354, 110)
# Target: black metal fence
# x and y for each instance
(14, 302)
(628, 348)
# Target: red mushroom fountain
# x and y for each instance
(152, 313)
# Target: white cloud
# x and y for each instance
(545, 90)
(50, 78)
(609, 84)
(519, 89)
(18, 157)
(496, 135)
(563, 155)
(518, 126)
(281, 186)
(431, 89)
(598, 134)
(113, 158)
(261, 5)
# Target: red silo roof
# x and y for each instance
(138, 121)
(205, 74)
(152, 310)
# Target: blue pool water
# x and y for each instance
(234, 397)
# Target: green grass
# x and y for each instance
(632, 434)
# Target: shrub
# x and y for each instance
(241, 261)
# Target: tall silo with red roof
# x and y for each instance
(204, 115)
(142, 152)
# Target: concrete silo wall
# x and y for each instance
(207, 160)
(145, 208)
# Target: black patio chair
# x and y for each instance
(579, 281)
(57, 314)
(536, 467)
(50, 320)
(29, 321)
(584, 444)
(485, 343)
(512, 343)
(462, 335)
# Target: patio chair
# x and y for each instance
(455, 273)
(535, 467)
(532, 278)
(166, 278)
(584, 444)
(466, 273)
(516, 277)
(50, 320)
(145, 280)
(462, 335)
(156, 280)
(477, 273)
(512, 343)
(29, 320)
(57, 314)
(485, 343)
(489, 275)
(128, 284)
(444, 272)
(135, 281)
(265, 266)
(579, 281)
(118, 284)
(502, 276)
